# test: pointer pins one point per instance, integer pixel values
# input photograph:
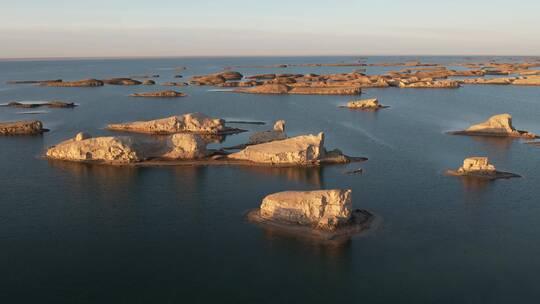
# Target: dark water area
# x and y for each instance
(76, 233)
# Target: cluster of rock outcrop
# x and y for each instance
(31, 127)
(497, 125)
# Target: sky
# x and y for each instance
(140, 28)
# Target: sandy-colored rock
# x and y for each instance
(367, 104)
(439, 84)
(266, 89)
(487, 81)
(321, 209)
(215, 79)
(165, 94)
(277, 133)
(528, 81)
(82, 136)
(107, 149)
(79, 83)
(477, 165)
(185, 146)
(192, 122)
(301, 150)
(21, 128)
(148, 82)
(498, 125)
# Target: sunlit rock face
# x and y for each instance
(372, 103)
(277, 133)
(304, 149)
(109, 149)
(185, 146)
(477, 165)
(321, 209)
(191, 122)
(21, 127)
(499, 124)
(530, 80)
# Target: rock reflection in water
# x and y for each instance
(306, 175)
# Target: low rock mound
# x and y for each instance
(50, 104)
(439, 84)
(21, 128)
(192, 122)
(528, 81)
(121, 81)
(365, 104)
(79, 83)
(279, 88)
(159, 94)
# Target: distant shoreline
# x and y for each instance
(241, 56)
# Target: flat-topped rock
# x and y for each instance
(165, 94)
(50, 104)
(497, 125)
(216, 78)
(489, 81)
(528, 81)
(324, 214)
(481, 168)
(174, 84)
(279, 88)
(78, 83)
(32, 81)
(121, 81)
(439, 84)
(191, 122)
(22, 128)
(365, 104)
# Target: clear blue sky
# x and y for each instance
(62, 28)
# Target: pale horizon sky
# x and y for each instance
(98, 28)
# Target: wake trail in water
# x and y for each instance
(374, 138)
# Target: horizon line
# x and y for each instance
(60, 58)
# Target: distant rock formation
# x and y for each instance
(160, 94)
(148, 82)
(191, 122)
(121, 81)
(479, 167)
(174, 84)
(498, 125)
(277, 133)
(365, 104)
(79, 83)
(285, 89)
(51, 104)
(32, 81)
(439, 84)
(528, 81)
(22, 128)
(215, 79)
(493, 81)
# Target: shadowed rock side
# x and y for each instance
(300, 150)
(481, 168)
(79, 83)
(165, 94)
(22, 128)
(51, 104)
(126, 150)
(191, 122)
(286, 89)
(215, 79)
(327, 214)
(498, 125)
(174, 84)
(365, 104)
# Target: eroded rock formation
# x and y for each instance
(165, 94)
(479, 167)
(277, 133)
(365, 104)
(121, 81)
(22, 128)
(79, 83)
(497, 125)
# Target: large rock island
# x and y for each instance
(326, 214)
(498, 125)
(479, 167)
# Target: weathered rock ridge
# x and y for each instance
(165, 94)
(498, 125)
(22, 128)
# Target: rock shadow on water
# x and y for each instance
(304, 175)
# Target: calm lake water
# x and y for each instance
(74, 233)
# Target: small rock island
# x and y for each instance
(161, 94)
(365, 104)
(31, 127)
(498, 125)
(479, 167)
(324, 214)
